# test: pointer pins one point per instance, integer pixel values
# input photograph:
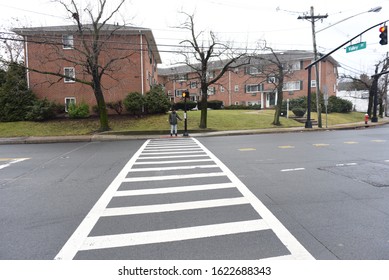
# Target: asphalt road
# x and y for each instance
(330, 189)
(327, 193)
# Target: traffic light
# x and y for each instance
(185, 94)
(383, 35)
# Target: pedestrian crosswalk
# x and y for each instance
(175, 200)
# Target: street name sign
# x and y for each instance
(356, 47)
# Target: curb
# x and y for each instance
(118, 137)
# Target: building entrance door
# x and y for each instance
(270, 99)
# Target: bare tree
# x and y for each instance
(11, 44)
(92, 52)
(198, 57)
(275, 69)
(373, 85)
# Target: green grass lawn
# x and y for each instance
(217, 120)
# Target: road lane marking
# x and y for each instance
(180, 156)
(321, 145)
(174, 153)
(172, 161)
(170, 148)
(170, 235)
(346, 164)
(71, 247)
(290, 242)
(351, 142)
(172, 168)
(286, 147)
(293, 169)
(175, 189)
(11, 161)
(378, 141)
(159, 208)
(174, 177)
(81, 241)
(247, 149)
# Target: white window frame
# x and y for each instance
(253, 88)
(69, 76)
(313, 83)
(236, 88)
(68, 101)
(292, 86)
(252, 70)
(221, 89)
(211, 90)
(272, 80)
(67, 42)
(193, 85)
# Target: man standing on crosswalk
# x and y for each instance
(173, 116)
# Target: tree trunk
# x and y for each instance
(104, 126)
(372, 92)
(280, 97)
(277, 113)
(204, 109)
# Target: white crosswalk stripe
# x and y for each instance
(162, 171)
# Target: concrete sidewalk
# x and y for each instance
(117, 137)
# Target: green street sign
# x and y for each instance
(356, 47)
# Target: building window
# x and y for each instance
(221, 89)
(254, 88)
(272, 80)
(252, 70)
(193, 84)
(291, 86)
(68, 101)
(313, 83)
(181, 77)
(210, 75)
(179, 92)
(70, 74)
(67, 41)
(293, 66)
(211, 90)
(236, 88)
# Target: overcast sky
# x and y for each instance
(242, 21)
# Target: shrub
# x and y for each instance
(213, 104)
(298, 112)
(116, 106)
(339, 105)
(41, 110)
(134, 103)
(243, 107)
(181, 105)
(78, 111)
(15, 104)
(156, 101)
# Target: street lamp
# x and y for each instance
(372, 10)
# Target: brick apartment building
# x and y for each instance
(254, 83)
(59, 48)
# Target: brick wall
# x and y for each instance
(46, 54)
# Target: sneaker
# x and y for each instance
(171, 135)
(176, 134)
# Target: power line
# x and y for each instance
(33, 12)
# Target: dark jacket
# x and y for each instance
(173, 118)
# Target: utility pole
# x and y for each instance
(312, 18)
